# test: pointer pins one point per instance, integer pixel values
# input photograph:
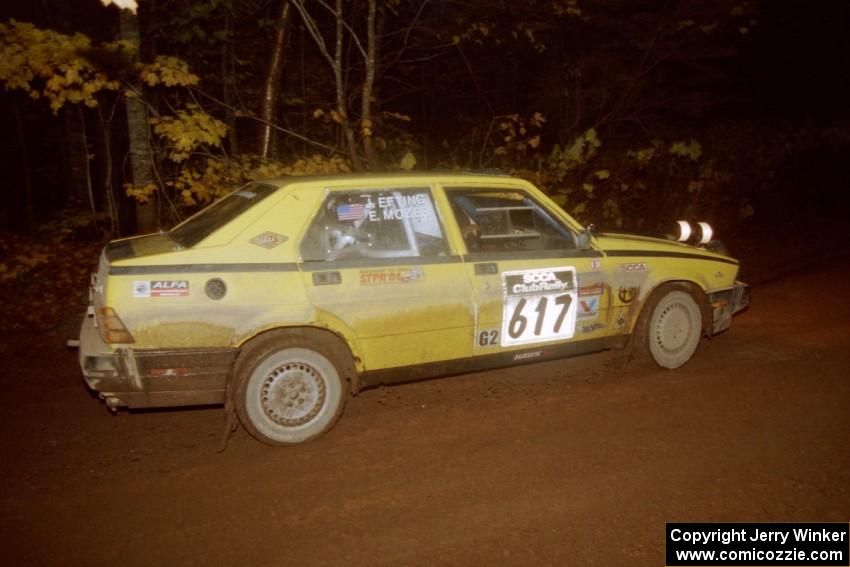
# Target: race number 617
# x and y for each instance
(518, 323)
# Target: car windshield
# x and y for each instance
(199, 226)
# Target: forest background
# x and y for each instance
(629, 113)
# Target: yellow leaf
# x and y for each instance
(408, 162)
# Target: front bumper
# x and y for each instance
(138, 378)
(724, 304)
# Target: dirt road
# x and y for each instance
(574, 462)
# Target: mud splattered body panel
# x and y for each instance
(417, 274)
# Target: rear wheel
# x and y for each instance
(288, 389)
(669, 328)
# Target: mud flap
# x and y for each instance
(231, 419)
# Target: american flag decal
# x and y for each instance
(351, 212)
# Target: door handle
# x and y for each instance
(486, 269)
(327, 278)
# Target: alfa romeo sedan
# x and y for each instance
(289, 295)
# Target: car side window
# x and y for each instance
(380, 223)
(506, 220)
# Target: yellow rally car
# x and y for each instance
(290, 294)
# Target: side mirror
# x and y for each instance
(583, 238)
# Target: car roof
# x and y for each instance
(401, 176)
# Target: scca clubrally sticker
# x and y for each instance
(160, 288)
(539, 305)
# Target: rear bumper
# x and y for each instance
(726, 303)
(139, 378)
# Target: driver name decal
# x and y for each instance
(539, 305)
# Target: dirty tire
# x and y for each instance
(669, 328)
(288, 388)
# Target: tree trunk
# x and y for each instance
(108, 189)
(61, 16)
(335, 61)
(228, 82)
(368, 83)
(138, 133)
(76, 152)
(271, 88)
(341, 104)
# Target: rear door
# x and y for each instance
(377, 259)
(534, 290)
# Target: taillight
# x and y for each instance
(112, 329)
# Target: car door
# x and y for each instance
(536, 294)
(377, 259)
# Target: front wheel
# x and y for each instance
(669, 328)
(288, 389)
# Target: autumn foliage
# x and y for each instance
(629, 115)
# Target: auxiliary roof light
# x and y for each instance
(685, 231)
(706, 232)
(703, 231)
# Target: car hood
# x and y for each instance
(138, 246)
(609, 241)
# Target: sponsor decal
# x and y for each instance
(592, 289)
(543, 281)
(528, 355)
(169, 288)
(391, 276)
(621, 320)
(269, 239)
(595, 264)
(588, 307)
(634, 267)
(591, 328)
(160, 288)
(142, 288)
(628, 294)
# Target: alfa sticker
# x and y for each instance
(539, 305)
(160, 288)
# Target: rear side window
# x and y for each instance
(380, 223)
(196, 228)
(505, 220)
